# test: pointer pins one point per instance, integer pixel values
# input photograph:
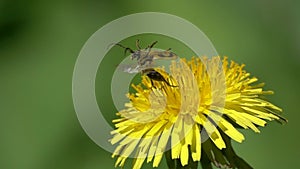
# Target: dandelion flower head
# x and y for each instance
(213, 99)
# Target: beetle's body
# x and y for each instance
(145, 58)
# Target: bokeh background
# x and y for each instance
(40, 41)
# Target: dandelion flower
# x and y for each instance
(195, 121)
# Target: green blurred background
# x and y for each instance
(40, 41)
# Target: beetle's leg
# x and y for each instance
(137, 44)
(153, 43)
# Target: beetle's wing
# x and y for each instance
(129, 68)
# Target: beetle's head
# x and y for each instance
(136, 55)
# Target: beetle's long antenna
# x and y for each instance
(126, 48)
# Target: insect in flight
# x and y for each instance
(145, 59)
